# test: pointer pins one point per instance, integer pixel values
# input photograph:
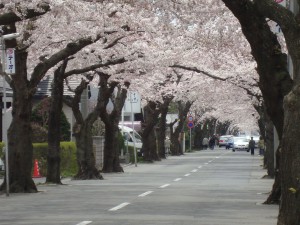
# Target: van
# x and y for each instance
(132, 138)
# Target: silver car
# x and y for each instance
(240, 143)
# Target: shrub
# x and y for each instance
(68, 164)
(40, 115)
(39, 133)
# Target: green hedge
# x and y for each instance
(68, 165)
(1, 150)
(131, 155)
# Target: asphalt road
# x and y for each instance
(218, 187)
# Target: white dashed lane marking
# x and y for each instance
(119, 206)
(199, 167)
(194, 171)
(145, 194)
(84, 223)
(186, 175)
(177, 179)
(165, 185)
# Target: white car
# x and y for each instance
(132, 138)
(240, 143)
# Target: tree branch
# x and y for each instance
(71, 48)
(11, 17)
(194, 69)
(281, 15)
(95, 66)
(113, 43)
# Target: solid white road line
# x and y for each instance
(146, 193)
(119, 206)
(194, 171)
(165, 185)
(186, 175)
(177, 179)
(84, 222)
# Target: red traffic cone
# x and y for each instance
(36, 170)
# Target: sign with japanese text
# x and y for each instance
(133, 100)
(10, 61)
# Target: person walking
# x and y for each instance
(212, 142)
(205, 143)
(252, 145)
(261, 146)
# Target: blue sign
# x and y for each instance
(190, 125)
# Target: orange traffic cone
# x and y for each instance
(36, 170)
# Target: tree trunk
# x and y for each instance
(151, 113)
(274, 79)
(111, 146)
(83, 135)
(54, 127)
(176, 137)
(289, 213)
(111, 120)
(269, 156)
(19, 133)
(85, 154)
(161, 132)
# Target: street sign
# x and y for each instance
(133, 101)
(10, 61)
(190, 119)
(190, 125)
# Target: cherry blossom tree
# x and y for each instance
(48, 40)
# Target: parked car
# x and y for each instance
(240, 143)
(132, 138)
(224, 139)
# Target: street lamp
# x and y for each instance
(3, 38)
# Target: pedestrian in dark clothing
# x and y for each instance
(252, 145)
(212, 143)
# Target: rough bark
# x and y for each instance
(83, 135)
(274, 78)
(23, 91)
(54, 126)
(151, 113)
(269, 158)
(85, 154)
(111, 121)
(183, 109)
(289, 213)
(161, 132)
(19, 132)
(11, 17)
